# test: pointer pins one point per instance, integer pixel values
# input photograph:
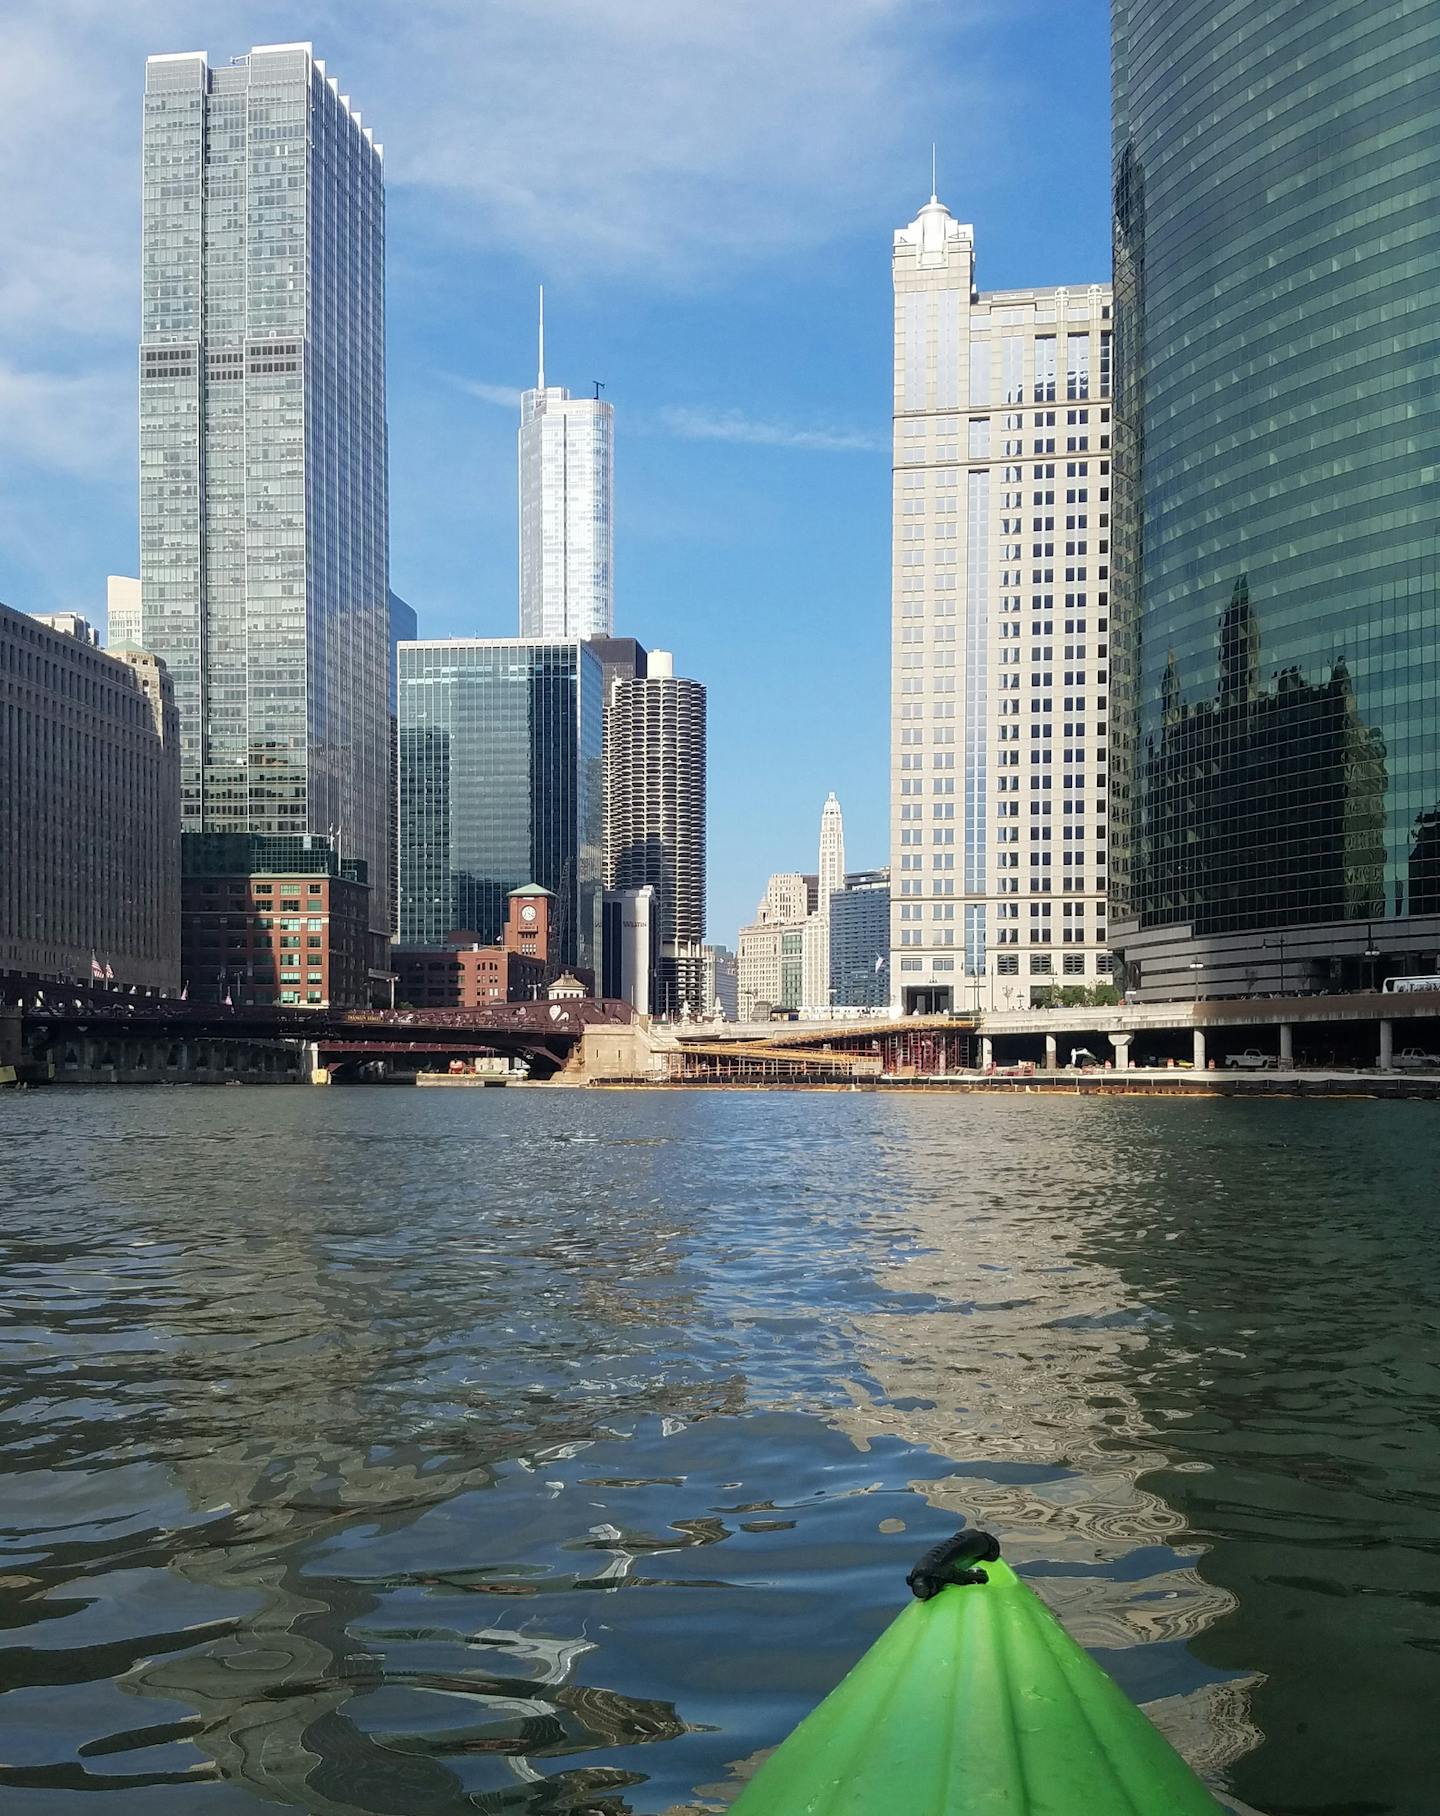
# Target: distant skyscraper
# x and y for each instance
(770, 963)
(999, 629)
(403, 629)
(122, 613)
(263, 507)
(722, 982)
(832, 847)
(655, 833)
(69, 624)
(500, 786)
(860, 940)
(832, 877)
(567, 481)
(1276, 772)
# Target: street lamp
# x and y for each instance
(1372, 951)
(1196, 966)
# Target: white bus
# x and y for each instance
(1395, 986)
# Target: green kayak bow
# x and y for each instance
(975, 1702)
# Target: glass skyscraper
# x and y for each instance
(567, 498)
(501, 784)
(263, 504)
(1276, 639)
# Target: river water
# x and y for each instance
(513, 1451)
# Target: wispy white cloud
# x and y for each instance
(735, 425)
(675, 142)
(689, 423)
(80, 423)
(507, 397)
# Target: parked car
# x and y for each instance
(1414, 1060)
(1251, 1060)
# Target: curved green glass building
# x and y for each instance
(1275, 635)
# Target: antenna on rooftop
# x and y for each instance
(541, 382)
(934, 193)
(599, 385)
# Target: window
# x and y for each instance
(1044, 369)
(1077, 365)
(1073, 964)
(1008, 964)
(1040, 964)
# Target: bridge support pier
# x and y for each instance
(1121, 1044)
(1387, 1046)
(1198, 1049)
(1052, 1056)
(987, 1053)
(1287, 1047)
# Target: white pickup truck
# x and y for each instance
(1414, 1059)
(1251, 1060)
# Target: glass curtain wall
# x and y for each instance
(1276, 635)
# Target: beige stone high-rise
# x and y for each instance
(1000, 616)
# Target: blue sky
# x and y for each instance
(707, 191)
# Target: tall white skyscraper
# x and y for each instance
(264, 543)
(1000, 619)
(832, 848)
(122, 613)
(567, 498)
(831, 878)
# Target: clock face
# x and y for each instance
(527, 913)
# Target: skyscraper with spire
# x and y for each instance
(567, 466)
(831, 877)
(1000, 612)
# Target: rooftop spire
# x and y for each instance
(934, 191)
(541, 383)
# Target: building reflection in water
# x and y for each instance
(334, 1389)
(1025, 1353)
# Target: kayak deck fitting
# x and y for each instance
(975, 1701)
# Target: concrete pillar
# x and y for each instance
(1052, 1057)
(987, 1053)
(1199, 1039)
(1287, 1047)
(1121, 1044)
(1387, 1046)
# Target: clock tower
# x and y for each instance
(527, 923)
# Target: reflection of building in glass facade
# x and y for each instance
(263, 507)
(860, 937)
(500, 784)
(567, 496)
(1000, 606)
(655, 831)
(1276, 656)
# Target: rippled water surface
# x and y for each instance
(407, 1451)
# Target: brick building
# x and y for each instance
(274, 919)
(464, 974)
